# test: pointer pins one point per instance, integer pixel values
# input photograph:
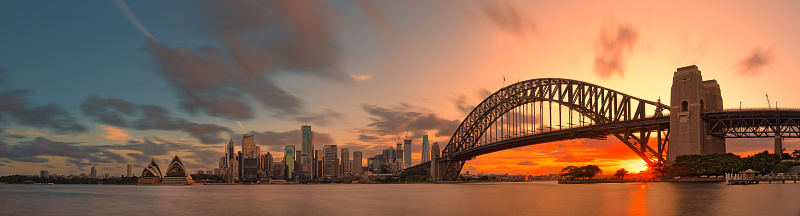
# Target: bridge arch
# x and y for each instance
(629, 118)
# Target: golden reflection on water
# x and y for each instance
(639, 204)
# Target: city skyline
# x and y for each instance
(122, 82)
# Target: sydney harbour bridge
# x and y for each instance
(546, 110)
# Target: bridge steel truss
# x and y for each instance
(754, 123)
(632, 120)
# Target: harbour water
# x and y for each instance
(528, 198)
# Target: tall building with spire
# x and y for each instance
(426, 153)
(230, 169)
(307, 137)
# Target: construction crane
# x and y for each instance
(768, 104)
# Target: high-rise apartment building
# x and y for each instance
(426, 153)
(289, 161)
(44, 174)
(94, 172)
(407, 153)
(307, 137)
(356, 169)
(330, 155)
(130, 171)
(345, 161)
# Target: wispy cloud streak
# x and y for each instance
(132, 18)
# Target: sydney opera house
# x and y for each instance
(176, 174)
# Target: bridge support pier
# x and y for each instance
(778, 145)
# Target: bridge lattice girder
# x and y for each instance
(753, 123)
(601, 105)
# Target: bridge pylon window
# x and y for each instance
(702, 105)
(684, 106)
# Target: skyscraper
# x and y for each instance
(45, 173)
(336, 170)
(330, 154)
(407, 152)
(289, 161)
(345, 161)
(248, 145)
(398, 160)
(307, 137)
(94, 172)
(425, 151)
(356, 169)
(130, 171)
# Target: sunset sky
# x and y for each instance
(109, 83)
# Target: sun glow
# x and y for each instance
(633, 166)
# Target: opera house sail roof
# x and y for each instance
(152, 170)
(176, 173)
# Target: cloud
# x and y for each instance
(139, 158)
(29, 151)
(361, 77)
(255, 40)
(14, 104)
(570, 158)
(527, 163)
(614, 45)
(117, 112)
(506, 17)
(132, 18)
(114, 133)
(754, 64)
(206, 133)
(323, 118)
(393, 120)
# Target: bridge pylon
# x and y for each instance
(690, 98)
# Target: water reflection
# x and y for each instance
(534, 198)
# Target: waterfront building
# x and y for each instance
(356, 169)
(268, 163)
(298, 165)
(330, 154)
(93, 172)
(44, 174)
(307, 139)
(336, 170)
(318, 158)
(288, 160)
(345, 161)
(130, 171)
(426, 153)
(151, 174)
(407, 153)
(250, 170)
(176, 173)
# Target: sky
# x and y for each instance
(109, 83)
